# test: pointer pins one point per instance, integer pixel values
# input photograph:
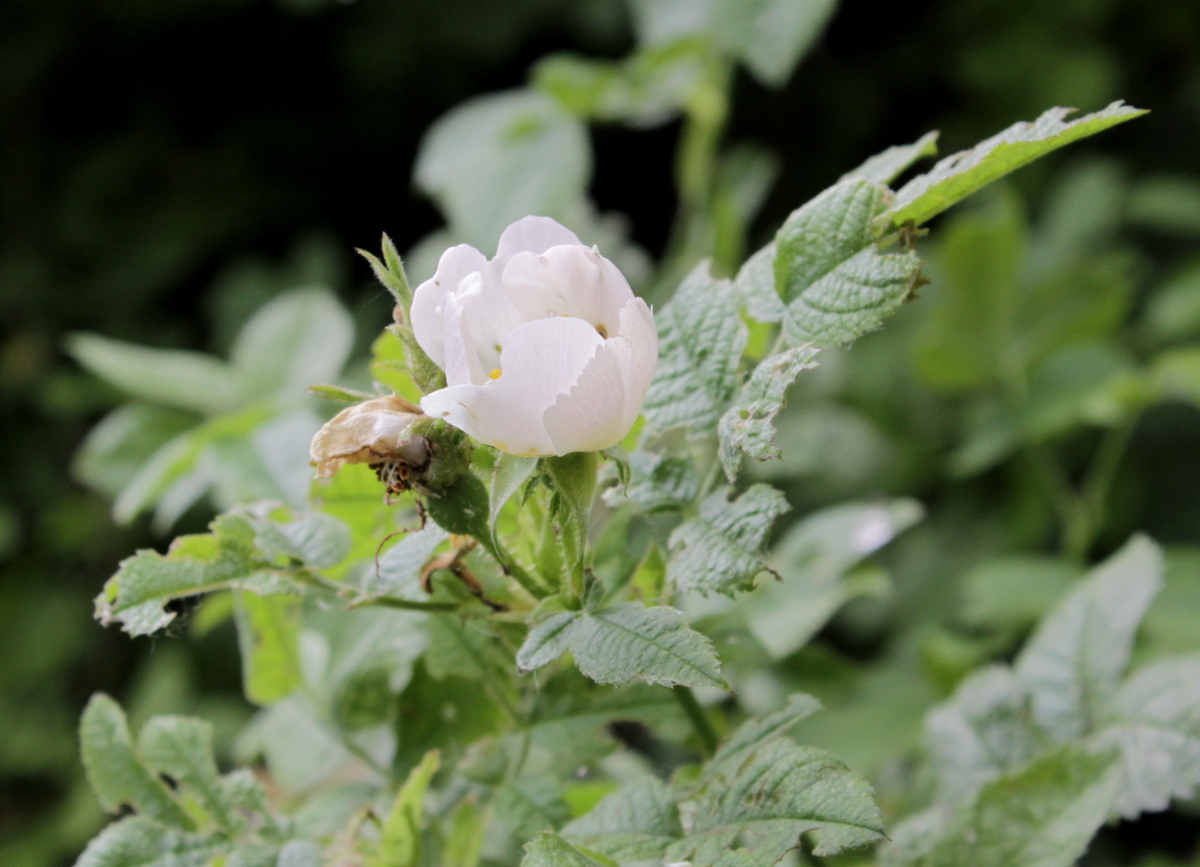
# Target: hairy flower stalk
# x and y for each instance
(546, 349)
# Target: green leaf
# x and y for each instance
(314, 538)
(123, 441)
(1043, 816)
(835, 284)
(446, 715)
(181, 748)
(509, 474)
(753, 811)
(885, 167)
(755, 285)
(756, 732)
(528, 805)
(720, 550)
(457, 648)
(958, 175)
(462, 509)
(1158, 736)
(981, 733)
(400, 837)
(116, 775)
(268, 635)
(400, 566)
(617, 644)
(339, 394)
(139, 842)
(496, 158)
(294, 340)
(1073, 664)
(185, 380)
(1166, 203)
(657, 483)
(747, 427)
(550, 850)
(635, 823)
(814, 561)
(701, 338)
(1173, 311)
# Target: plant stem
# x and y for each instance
(404, 604)
(700, 721)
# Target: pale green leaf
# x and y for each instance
(181, 748)
(268, 631)
(1043, 816)
(720, 550)
(496, 158)
(140, 842)
(316, 539)
(814, 561)
(116, 775)
(635, 823)
(123, 441)
(617, 644)
(299, 338)
(298, 853)
(1157, 732)
(747, 427)
(657, 483)
(752, 811)
(757, 731)
(530, 804)
(958, 175)
(457, 648)
(550, 850)
(509, 474)
(400, 836)
(885, 167)
(1014, 591)
(836, 286)
(398, 572)
(701, 338)
(1166, 203)
(1173, 311)
(185, 380)
(1073, 664)
(755, 284)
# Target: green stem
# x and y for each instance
(700, 721)
(1091, 503)
(404, 604)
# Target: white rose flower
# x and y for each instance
(545, 347)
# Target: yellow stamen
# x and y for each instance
(495, 374)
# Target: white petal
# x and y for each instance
(541, 361)
(455, 264)
(488, 318)
(461, 363)
(591, 416)
(533, 235)
(572, 281)
(602, 406)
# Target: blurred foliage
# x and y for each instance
(169, 168)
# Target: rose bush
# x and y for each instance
(545, 347)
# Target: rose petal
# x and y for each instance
(541, 361)
(572, 281)
(533, 235)
(428, 301)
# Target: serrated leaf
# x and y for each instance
(181, 748)
(116, 775)
(657, 483)
(752, 812)
(617, 644)
(720, 550)
(550, 850)
(1158, 736)
(755, 284)
(1043, 816)
(1073, 664)
(836, 286)
(756, 732)
(457, 648)
(186, 380)
(958, 175)
(885, 167)
(701, 338)
(528, 805)
(400, 566)
(139, 842)
(747, 427)
(635, 823)
(315, 538)
(268, 630)
(400, 836)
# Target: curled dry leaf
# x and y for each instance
(377, 433)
